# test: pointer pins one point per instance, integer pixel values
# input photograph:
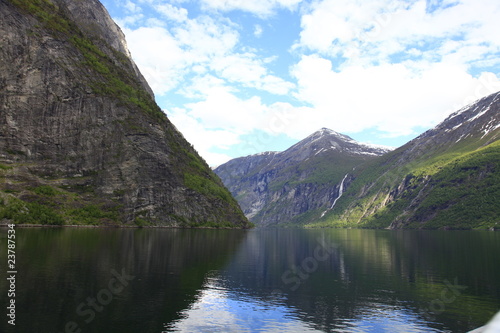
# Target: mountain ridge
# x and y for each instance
(424, 183)
(447, 178)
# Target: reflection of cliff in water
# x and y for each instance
(60, 268)
(370, 273)
(260, 280)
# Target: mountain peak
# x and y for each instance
(326, 139)
(325, 136)
(273, 187)
(329, 132)
(478, 120)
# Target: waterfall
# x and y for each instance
(341, 191)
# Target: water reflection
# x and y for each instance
(218, 309)
(370, 281)
(59, 269)
(255, 281)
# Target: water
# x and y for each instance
(164, 280)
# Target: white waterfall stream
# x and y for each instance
(341, 191)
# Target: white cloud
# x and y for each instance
(221, 119)
(260, 8)
(161, 60)
(131, 7)
(339, 21)
(222, 109)
(203, 138)
(201, 85)
(239, 68)
(247, 69)
(391, 66)
(394, 98)
(204, 38)
(129, 20)
(395, 66)
(275, 85)
(165, 56)
(171, 12)
(378, 29)
(197, 46)
(257, 32)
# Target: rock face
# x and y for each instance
(93, 19)
(297, 185)
(81, 138)
(448, 177)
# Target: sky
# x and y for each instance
(239, 77)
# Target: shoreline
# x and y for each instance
(5, 225)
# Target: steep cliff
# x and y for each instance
(82, 140)
(300, 184)
(448, 177)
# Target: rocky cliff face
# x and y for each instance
(93, 19)
(297, 185)
(81, 138)
(448, 177)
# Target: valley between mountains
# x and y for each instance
(447, 178)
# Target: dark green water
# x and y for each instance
(161, 280)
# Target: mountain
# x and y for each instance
(298, 184)
(82, 140)
(448, 177)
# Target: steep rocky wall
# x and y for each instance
(92, 18)
(77, 116)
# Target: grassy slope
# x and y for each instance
(462, 193)
(456, 187)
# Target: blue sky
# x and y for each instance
(238, 77)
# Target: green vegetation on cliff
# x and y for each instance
(448, 178)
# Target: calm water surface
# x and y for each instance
(279, 280)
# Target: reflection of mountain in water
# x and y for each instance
(377, 279)
(268, 280)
